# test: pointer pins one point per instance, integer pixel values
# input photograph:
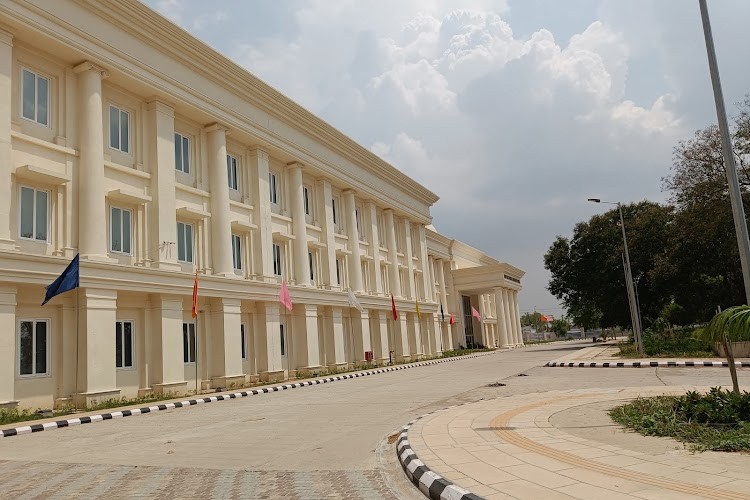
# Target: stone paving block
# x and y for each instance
(606, 481)
(455, 456)
(495, 457)
(701, 478)
(539, 476)
(520, 488)
(546, 463)
(619, 460)
(588, 492)
(484, 473)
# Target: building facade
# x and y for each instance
(127, 141)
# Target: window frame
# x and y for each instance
(236, 252)
(189, 349)
(278, 260)
(34, 214)
(184, 165)
(127, 114)
(233, 172)
(112, 208)
(132, 344)
(243, 340)
(273, 186)
(283, 339)
(37, 75)
(192, 242)
(307, 201)
(47, 353)
(311, 263)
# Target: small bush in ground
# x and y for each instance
(664, 340)
(719, 420)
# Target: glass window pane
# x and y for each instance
(114, 127)
(26, 349)
(281, 335)
(29, 95)
(185, 155)
(41, 215)
(192, 342)
(127, 342)
(41, 347)
(27, 212)
(42, 93)
(116, 229)
(181, 241)
(189, 242)
(243, 340)
(126, 231)
(185, 342)
(118, 344)
(125, 132)
(178, 152)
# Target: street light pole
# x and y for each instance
(735, 196)
(635, 313)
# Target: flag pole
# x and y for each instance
(78, 322)
(195, 323)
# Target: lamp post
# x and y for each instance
(635, 313)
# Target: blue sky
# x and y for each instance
(517, 109)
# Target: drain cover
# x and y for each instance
(496, 384)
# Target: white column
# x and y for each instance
(390, 232)
(401, 337)
(221, 222)
(517, 319)
(361, 333)
(305, 337)
(501, 323)
(92, 214)
(8, 361)
(410, 287)
(269, 342)
(97, 375)
(263, 239)
(6, 153)
(296, 193)
(507, 319)
(424, 264)
(379, 325)
(225, 354)
(327, 227)
(166, 344)
(336, 355)
(355, 261)
(377, 279)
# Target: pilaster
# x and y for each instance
(7, 345)
(409, 289)
(296, 192)
(221, 223)
(7, 242)
(305, 337)
(327, 227)
(167, 344)
(269, 345)
(263, 241)
(390, 231)
(377, 279)
(355, 261)
(361, 334)
(335, 355)
(379, 329)
(225, 356)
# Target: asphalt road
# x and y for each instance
(323, 441)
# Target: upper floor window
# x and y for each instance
(181, 153)
(34, 214)
(184, 242)
(307, 200)
(33, 337)
(274, 188)
(237, 252)
(276, 259)
(124, 344)
(119, 129)
(311, 263)
(381, 232)
(120, 229)
(333, 207)
(232, 172)
(35, 97)
(338, 271)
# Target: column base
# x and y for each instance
(87, 399)
(403, 359)
(171, 388)
(306, 372)
(253, 379)
(273, 377)
(228, 382)
(338, 366)
(8, 404)
(61, 403)
(145, 391)
(9, 245)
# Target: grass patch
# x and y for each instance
(718, 421)
(672, 343)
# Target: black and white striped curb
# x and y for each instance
(28, 429)
(433, 485)
(644, 364)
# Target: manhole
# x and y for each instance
(496, 384)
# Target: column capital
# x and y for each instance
(156, 104)
(294, 164)
(260, 153)
(6, 36)
(348, 192)
(216, 126)
(389, 211)
(89, 66)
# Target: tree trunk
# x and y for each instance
(732, 368)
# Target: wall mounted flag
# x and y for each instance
(353, 302)
(284, 296)
(393, 308)
(195, 295)
(68, 280)
(476, 314)
(452, 320)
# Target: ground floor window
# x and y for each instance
(283, 340)
(124, 344)
(243, 338)
(188, 342)
(33, 337)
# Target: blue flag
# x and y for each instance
(68, 280)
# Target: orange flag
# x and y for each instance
(195, 295)
(393, 308)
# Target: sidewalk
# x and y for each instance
(604, 355)
(561, 444)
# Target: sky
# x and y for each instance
(514, 112)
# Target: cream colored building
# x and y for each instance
(126, 140)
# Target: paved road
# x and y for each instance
(325, 441)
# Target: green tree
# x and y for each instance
(532, 319)
(726, 327)
(560, 327)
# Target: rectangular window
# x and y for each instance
(181, 153)
(338, 271)
(308, 204)
(243, 339)
(312, 267)
(119, 129)
(35, 97)
(34, 209)
(333, 206)
(124, 344)
(232, 172)
(276, 259)
(33, 336)
(120, 230)
(236, 252)
(283, 340)
(184, 242)
(188, 342)
(273, 187)
(380, 230)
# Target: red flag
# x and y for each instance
(284, 296)
(452, 320)
(393, 308)
(476, 314)
(195, 295)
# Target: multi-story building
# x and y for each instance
(129, 142)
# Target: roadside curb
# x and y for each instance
(32, 428)
(433, 485)
(644, 364)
